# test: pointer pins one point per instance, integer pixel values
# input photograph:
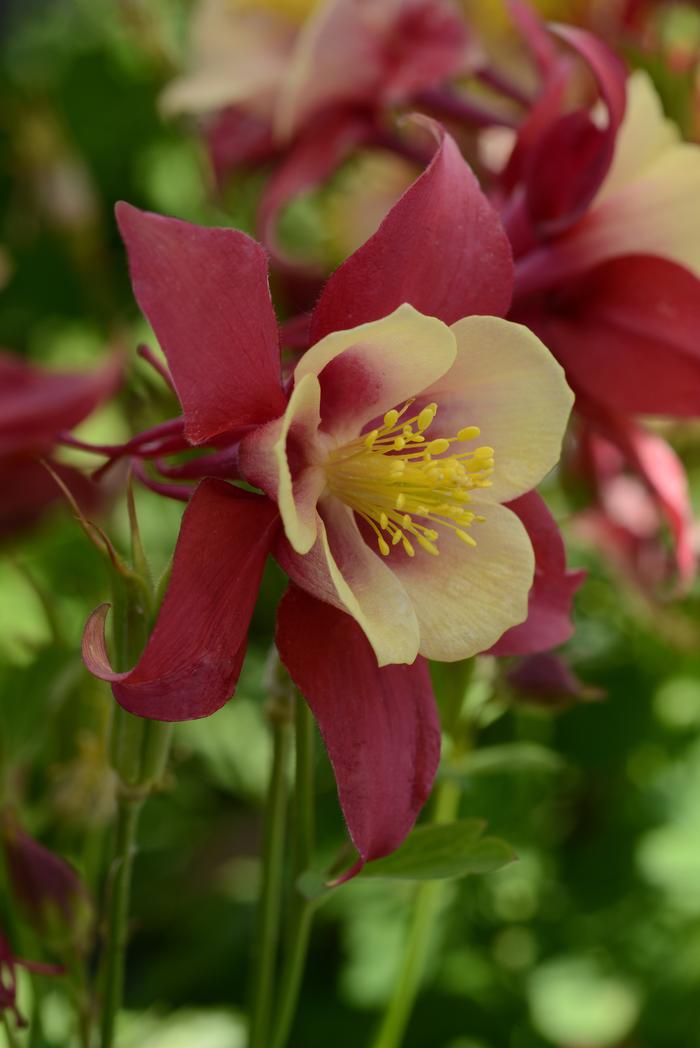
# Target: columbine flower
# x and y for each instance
(385, 466)
(307, 83)
(36, 407)
(601, 209)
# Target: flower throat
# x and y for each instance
(395, 473)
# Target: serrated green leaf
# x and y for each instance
(447, 850)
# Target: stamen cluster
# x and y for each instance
(395, 473)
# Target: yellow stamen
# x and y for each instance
(402, 484)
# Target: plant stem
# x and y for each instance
(427, 905)
(270, 896)
(302, 908)
(120, 886)
(12, 1039)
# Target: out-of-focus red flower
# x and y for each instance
(36, 407)
(600, 204)
(546, 680)
(639, 486)
(605, 231)
(377, 521)
(46, 887)
(307, 90)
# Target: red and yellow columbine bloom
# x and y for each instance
(304, 84)
(600, 205)
(401, 440)
(286, 62)
(383, 469)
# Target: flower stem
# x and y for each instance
(302, 908)
(426, 908)
(125, 843)
(451, 684)
(270, 897)
(11, 1036)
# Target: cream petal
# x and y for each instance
(506, 382)
(648, 203)
(338, 57)
(656, 214)
(644, 135)
(467, 597)
(281, 458)
(237, 56)
(344, 571)
(367, 370)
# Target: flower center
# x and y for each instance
(395, 474)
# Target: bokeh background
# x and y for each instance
(590, 940)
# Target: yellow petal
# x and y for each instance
(342, 570)
(265, 462)
(467, 597)
(237, 56)
(376, 366)
(648, 204)
(507, 383)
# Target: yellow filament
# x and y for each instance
(403, 485)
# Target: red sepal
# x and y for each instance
(441, 248)
(193, 658)
(206, 294)
(380, 726)
(548, 622)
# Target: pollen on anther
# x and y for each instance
(469, 433)
(426, 417)
(391, 418)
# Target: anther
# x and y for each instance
(426, 417)
(469, 433)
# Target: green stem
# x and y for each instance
(12, 1038)
(120, 887)
(429, 902)
(427, 906)
(302, 908)
(270, 896)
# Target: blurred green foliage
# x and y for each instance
(590, 940)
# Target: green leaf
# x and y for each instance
(508, 757)
(447, 850)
